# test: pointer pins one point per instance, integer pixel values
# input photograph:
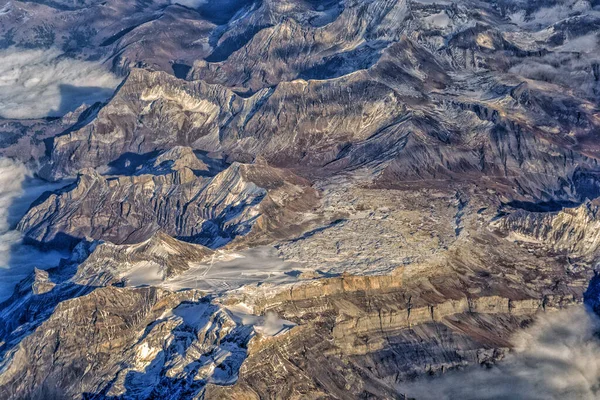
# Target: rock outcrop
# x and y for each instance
(174, 192)
(574, 231)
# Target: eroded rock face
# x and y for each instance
(493, 137)
(87, 344)
(572, 231)
(366, 333)
(174, 192)
(38, 283)
(41, 283)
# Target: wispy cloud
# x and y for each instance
(12, 175)
(558, 357)
(546, 16)
(189, 3)
(42, 83)
(17, 191)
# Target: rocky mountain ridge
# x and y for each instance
(301, 199)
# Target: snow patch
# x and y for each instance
(269, 325)
(440, 20)
(229, 271)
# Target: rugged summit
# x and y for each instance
(302, 199)
(174, 191)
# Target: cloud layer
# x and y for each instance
(43, 83)
(546, 16)
(558, 357)
(17, 191)
(189, 3)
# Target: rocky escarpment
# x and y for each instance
(373, 331)
(572, 230)
(458, 308)
(373, 334)
(414, 133)
(176, 193)
(454, 301)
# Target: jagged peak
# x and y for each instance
(160, 254)
(180, 157)
(153, 246)
(575, 230)
(151, 78)
(89, 172)
(162, 244)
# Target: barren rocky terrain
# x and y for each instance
(295, 199)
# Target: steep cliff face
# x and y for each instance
(572, 231)
(154, 111)
(175, 192)
(331, 336)
(403, 124)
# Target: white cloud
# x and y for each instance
(546, 16)
(582, 44)
(12, 175)
(17, 191)
(42, 83)
(189, 3)
(558, 357)
(440, 20)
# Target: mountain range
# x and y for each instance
(297, 199)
